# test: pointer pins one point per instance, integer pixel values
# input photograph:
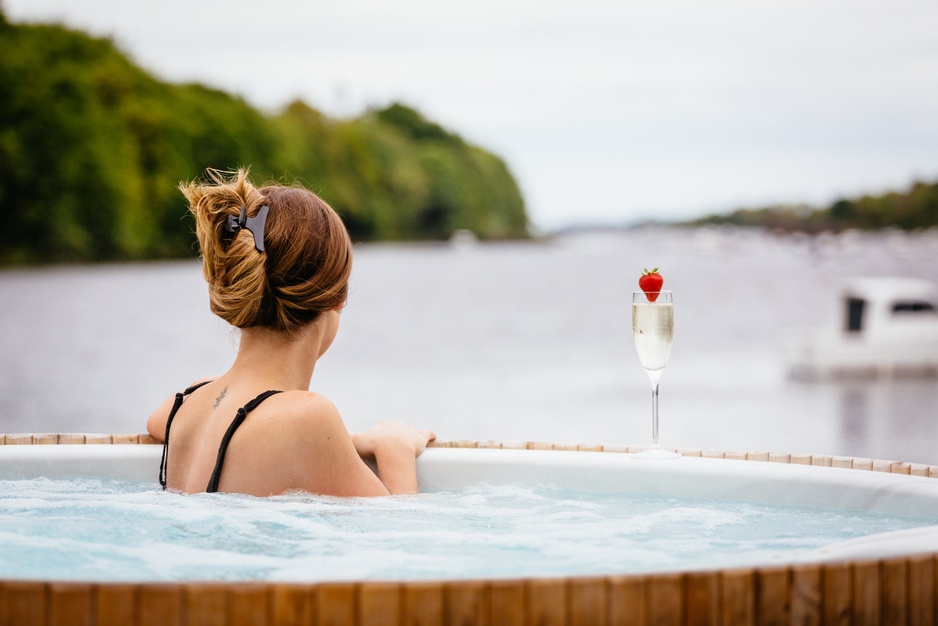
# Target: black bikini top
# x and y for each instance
(235, 423)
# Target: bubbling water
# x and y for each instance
(90, 529)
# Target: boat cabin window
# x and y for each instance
(903, 307)
(855, 314)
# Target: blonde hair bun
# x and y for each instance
(304, 269)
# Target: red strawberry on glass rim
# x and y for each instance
(650, 283)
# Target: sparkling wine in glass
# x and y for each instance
(653, 331)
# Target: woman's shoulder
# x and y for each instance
(306, 403)
(156, 422)
(305, 428)
(306, 412)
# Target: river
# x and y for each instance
(508, 341)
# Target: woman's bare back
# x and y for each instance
(290, 441)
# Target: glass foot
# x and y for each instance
(654, 454)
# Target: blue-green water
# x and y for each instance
(86, 529)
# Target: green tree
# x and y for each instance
(66, 174)
(92, 149)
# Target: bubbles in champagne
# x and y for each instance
(653, 330)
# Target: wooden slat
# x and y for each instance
(160, 605)
(627, 601)
(735, 456)
(506, 602)
(148, 440)
(125, 439)
(115, 604)
(738, 598)
(97, 439)
(821, 460)
(24, 603)
(922, 590)
(702, 598)
(895, 591)
(70, 604)
(713, 454)
(19, 440)
(379, 604)
(800, 459)
(762, 457)
(866, 593)
(464, 604)
(900, 468)
(248, 605)
(665, 599)
(546, 602)
(45, 439)
(806, 595)
(776, 457)
(293, 605)
(423, 604)
(837, 595)
(206, 604)
(863, 464)
(844, 462)
(335, 604)
(773, 597)
(70, 438)
(586, 601)
(514, 445)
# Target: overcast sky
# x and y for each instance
(606, 111)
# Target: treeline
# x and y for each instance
(92, 149)
(916, 208)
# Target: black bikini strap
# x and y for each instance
(169, 421)
(235, 423)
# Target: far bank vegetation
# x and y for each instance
(913, 209)
(92, 148)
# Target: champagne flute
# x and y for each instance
(653, 331)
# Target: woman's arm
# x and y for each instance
(156, 423)
(334, 458)
(395, 447)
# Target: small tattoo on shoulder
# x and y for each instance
(220, 396)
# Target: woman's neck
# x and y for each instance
(276, 360)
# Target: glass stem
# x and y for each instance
(654, 415)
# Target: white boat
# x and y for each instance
(886, 327)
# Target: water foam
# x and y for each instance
(89, 529)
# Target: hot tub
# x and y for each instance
(884, 578)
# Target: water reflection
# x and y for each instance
(854, 416)
(875, 416)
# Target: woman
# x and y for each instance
(277, 260)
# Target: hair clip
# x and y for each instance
(254, 224)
